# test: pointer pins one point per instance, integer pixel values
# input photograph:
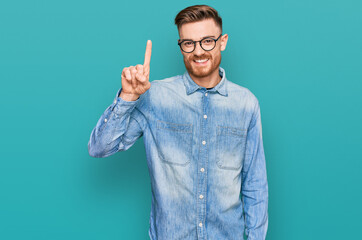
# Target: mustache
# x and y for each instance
(200, 57)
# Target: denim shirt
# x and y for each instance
(205, 157)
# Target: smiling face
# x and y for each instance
(201, 63)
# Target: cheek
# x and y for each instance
(215, 56)
(186, 59)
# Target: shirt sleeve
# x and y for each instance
(254, 182)
(117, 129)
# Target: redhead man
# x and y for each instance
(202, 135)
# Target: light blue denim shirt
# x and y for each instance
(204, 153)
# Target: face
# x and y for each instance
(210, 60)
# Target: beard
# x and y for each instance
(202, 71)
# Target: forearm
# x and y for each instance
(106, 137)
(255, 199)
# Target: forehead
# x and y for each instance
(200, 29)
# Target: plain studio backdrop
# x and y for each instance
(60, 65)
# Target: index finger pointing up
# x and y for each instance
(148, 54)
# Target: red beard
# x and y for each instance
(202, 71)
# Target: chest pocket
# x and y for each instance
(174, 142)
(230, 147)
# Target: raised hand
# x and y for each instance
(135, 79)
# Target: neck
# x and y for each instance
(209, 81)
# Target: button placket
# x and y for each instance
(202, 164)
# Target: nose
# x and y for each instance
(198, 50)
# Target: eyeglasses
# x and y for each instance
(207, 44)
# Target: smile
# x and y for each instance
(201, 61)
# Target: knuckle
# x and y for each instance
(139, 67)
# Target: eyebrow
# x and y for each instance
(186, 39)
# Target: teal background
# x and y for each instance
(60, 69)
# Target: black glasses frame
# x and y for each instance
(194, 42)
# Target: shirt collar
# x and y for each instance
(191, 86)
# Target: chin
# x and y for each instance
(199, 72)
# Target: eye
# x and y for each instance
(188, 43)
(207, 41)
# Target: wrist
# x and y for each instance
(129, 96)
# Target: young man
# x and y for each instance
(202, 135)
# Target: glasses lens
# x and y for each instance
(187, 46)
(208, 44)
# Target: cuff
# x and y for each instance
(121, 106)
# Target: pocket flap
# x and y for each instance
(174, 126)
(221, 130)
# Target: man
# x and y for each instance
(202, 136)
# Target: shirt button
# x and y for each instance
(203, 142)
(202, 169)
(105, 120)
(200, 224)
(201, 196)
(205, 116)
(206, 94)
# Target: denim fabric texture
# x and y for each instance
(205, 157)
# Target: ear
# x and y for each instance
(223, 41)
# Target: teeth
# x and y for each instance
(200, 61)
